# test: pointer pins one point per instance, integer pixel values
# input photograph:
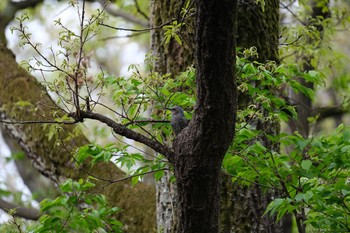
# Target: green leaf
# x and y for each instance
(178, 40)
(135, 180)
(67, 186)
(306, 164)
(158, 175)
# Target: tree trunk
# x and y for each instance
(200, 148)
(302, 102)
(198, 192)
(242, 209)
(171, 58)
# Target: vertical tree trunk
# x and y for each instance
(198, 190)
(200, 148)
(302, 102)
(172, 58)
(260, 29)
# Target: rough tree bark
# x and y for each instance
(173, 58)
(200, 148)
(216, 96)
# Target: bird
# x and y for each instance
(178, 120)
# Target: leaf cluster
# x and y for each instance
(312, 174)
(77, 210)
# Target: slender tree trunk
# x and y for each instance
(302, 102)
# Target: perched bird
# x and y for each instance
(178, 120)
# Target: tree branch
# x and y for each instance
(37, 122)
(146, 121)
(23, 212)
(140, 30)
(25, 4)
(326, 112)
(114, 11)
(123, 131)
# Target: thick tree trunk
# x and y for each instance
(172, 57)
(198, 189)
(242, 209)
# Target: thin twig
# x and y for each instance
(38, 122)
(140, 11)
(146, 121)
(139, 30)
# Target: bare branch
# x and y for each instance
(326, 112)
(114, 11)
(140, 11)
(37, 122)
(123, 131)
(23, 212)
(139, 30)
(146, 121)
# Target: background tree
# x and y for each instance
(263, 36)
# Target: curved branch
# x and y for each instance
(114, 11)
(25, 4)
(123, 131)
(23, 212)
(140, 30)
(326, 112)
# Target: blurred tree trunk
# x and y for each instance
(55, 161)
(39, 185)
(260, 29)
(319, 13)
(171, 58)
